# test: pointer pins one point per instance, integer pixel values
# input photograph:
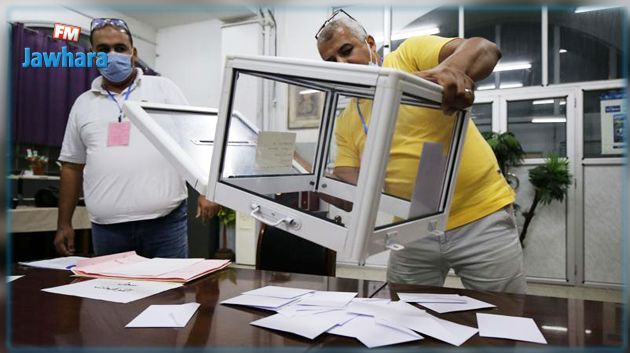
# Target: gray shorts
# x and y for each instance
(486, 254)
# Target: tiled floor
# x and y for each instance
(550, 290)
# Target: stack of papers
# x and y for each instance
(129, 265)
(60, 263)
(374, 322)
(444, 303)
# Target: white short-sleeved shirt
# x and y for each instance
(122, 183)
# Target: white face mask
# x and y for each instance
(371, 63)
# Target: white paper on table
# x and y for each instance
(13, 278)
(152, 267)
(510, 327)
(382, 309)
(459, 333)
(373, 333)
(165, 316)
(268, 303)
(279, 292)
(431, 298)
(323, 298)
(381, 301)
(418, 320)
(471, 304)
(293, 309)
(113, 290)
(60, 263)
(310, 326)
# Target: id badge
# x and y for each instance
(118, 134)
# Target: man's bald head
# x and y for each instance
(344, 40)
(351, 25)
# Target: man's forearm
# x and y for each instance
(69, 189)
(476, 57)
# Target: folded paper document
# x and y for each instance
(129, 265)
(113, 290)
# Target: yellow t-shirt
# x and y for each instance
(480, 189)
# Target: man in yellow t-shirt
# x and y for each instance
(481, 240)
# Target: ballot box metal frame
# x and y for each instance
(360, 239)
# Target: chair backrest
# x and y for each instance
(284, 252)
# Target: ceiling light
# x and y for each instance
(548, 101)
(581, 9)
(511, 85)
(516, 65)
(308, 91)
(562, 51)
(418, 31)
(548, 119)
(554, 328)
(503, 85)
(410, 32)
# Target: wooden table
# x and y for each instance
(40, 319)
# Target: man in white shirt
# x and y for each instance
(136, 200)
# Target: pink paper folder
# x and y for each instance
(101, 267)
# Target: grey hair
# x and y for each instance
(353, 26)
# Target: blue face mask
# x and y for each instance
(118, 67)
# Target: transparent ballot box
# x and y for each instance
(358, 159)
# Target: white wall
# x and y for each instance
(245, 39)
(190, 55)
(193, 55)
(81, 15)
(296, 30)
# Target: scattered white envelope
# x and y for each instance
(13, 278)
(431, 298)
(374, 334)
(293, 309)
(165, 316)
(418, 320)
(267, 303)
(333, 299)
(382, 301)
(113, 290)
(279, 292)
(458, 333)
(470, 304)
(510, 327)
(380, 309)
(309, 327)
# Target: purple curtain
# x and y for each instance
(41, 97)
